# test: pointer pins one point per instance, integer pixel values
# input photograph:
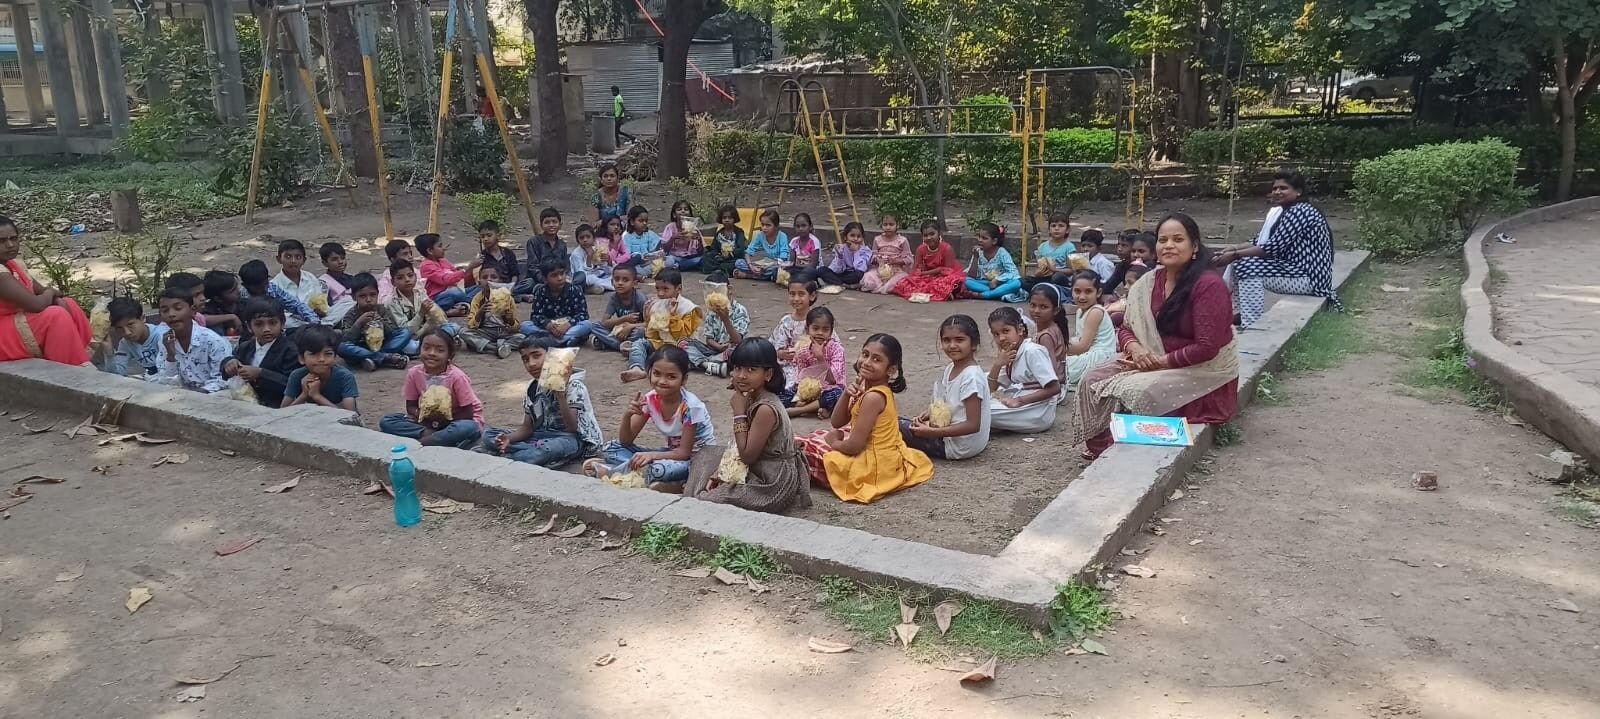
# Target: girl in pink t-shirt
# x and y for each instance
(805, 250)
(459, 424)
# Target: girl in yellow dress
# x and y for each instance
(864, 458)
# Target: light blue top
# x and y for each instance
(1001, 264)
(150, 355)
(776, 250)
(642, 245)
(1057, 253)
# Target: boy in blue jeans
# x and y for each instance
(557, 427)
(625, 309)
(560, 308)
(367, 312)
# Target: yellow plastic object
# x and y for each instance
(732, 470)
(782, 278)
(501, 302)
(1078, 263)
(718, 301)
(557, 368)
(318, 304)
(437, 316)
(100, 319)
(626, 480)
(885, 271)
(802, 343)
(245, 393)
(658, 265)
(809, 389)
(434, 406)
(560, 325)
(938, 414)
(374, 337)
(991, 275)
(660, 323)
(620, 330)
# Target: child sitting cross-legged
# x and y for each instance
(1096, 341)
(559, 307)
(669, 322)
(819, 368)
(863, 458)
(623, 323)
(726, 245)
(336, 281)
(956, 425)
(441, 408)
(132, 342)
(726, 323)
(558, 425)
(320, 379)
(266, 358)
(1023, 379)
(369, 336)
(491, 318)
(591, 261)
(193, 353)
(761, 470)
(408, 307)
(680, 417)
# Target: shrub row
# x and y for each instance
(1430, 197)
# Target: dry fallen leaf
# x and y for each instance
(944, 612)
(445, 506)
(1135, 570)
(695, 573)
(1565, 605)
(609, 543)
(189, 679)
(21, 417)
(425, 665)
(39, 430)
(604, 659)
(85, 428)
(102, 469)
(147, 439)
(1093, 647)
(174, 458)
(617, 596)
(546, 527)
(755, 586)
(372, 488)
(40, 479)
(227, 453)
(13, 501)
(981, 674)
(575, 530)
(111, 413)
(906, 632)
(907, 614)
(286, 486)
(727, 577)
(117, 438)
(823, 646)
(73, 574)
(236, 546)
(192, 693)
(137, 597)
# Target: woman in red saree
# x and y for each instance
(34, 321)
(1177, 352)
(936, 273)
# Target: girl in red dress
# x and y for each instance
(936, 273)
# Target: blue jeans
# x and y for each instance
(981, 288)
(575, 335)
(397, 342)
(642, 349)
(462, 433)
(616, 456)
(546, 449)
(455, 296)
(603, 336)
(684, 264)
(767, 274)
(828, 399)
(522, 287)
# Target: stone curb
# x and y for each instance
(1085, 525)
(1552, 401)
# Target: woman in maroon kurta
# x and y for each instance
(936, 273)
(1178, 353)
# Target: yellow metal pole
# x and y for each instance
(438, 135)
(377, 144)
(261, 132)
(1027, 146)
(505, 136)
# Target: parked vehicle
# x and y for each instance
(1370, 87)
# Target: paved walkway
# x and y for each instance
(1547, 303)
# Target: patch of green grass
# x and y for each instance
(1581, 504)
(748, 559)
(1268, 390)
(1331, 336)
(981, 627)
(1443, 363)
(1229, 435)
(1077, 610)
(660, 541)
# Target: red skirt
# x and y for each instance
(938, 287)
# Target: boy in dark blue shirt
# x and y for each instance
(560, 308)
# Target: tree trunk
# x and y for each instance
(681, 23)
(345, 60)
(552, 108)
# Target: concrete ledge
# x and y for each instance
(1096, 515)
(1557, 404)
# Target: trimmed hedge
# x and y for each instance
(1431, 197)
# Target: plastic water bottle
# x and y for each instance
(403, 478)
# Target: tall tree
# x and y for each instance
(552, 105)
(345, 61)
(679, 26)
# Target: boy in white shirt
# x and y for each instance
(297, 283)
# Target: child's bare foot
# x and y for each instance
(823, 414)
(632, 374)
(596, 468)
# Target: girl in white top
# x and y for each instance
(1023, 379)
(1096, 341)
(802, 295)
(963, 389)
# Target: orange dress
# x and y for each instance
(885, 466)
(59, 333)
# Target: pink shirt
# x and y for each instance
(807, 364)
(439, 275)
(801, 249)
(461, 395)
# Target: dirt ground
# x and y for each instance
(964, 507)
(1302, 577)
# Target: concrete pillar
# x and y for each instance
(59, 63)
(28, 62)
(86, 70)
(224, 44)
(156, 86)
(297, 25)
(108, 54)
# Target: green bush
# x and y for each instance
(1431, 197)
(474, 157)
(285, 148)
(746, 153)
(1206, 152)
(487, 206)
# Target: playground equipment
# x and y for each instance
(459, 19)
(814, 126)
